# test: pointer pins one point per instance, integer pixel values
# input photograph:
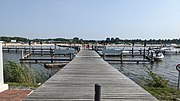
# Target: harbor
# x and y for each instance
(134, 62)
(76, 82)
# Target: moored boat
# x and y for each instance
(169, 50)
(158, 55)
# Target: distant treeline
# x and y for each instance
(81, 41)
(9, 39)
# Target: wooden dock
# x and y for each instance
(75, 82)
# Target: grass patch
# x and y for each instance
(165, 93)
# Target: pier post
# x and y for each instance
(121, 58)
(22, 54)
(8, 49)
(104, 56)
(41, 48)
(133, 49)
(51, 54)
(152, 55)
(144, 54)
(132, 52)
(55, 45)
(97, 92)
(3, 86)
(33, 50)
(70, 56)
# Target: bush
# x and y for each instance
(19, 73)
(158, 87)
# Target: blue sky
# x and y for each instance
(90, 19)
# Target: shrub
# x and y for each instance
(155, 80)
(19, 73)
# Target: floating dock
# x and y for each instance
(75, 82)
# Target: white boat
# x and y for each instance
(169, 49)
(158, 55)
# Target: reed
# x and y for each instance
(159, 87)
(19, 73)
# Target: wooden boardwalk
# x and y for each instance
(75, 82)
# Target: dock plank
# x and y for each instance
(75, 82)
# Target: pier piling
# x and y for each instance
(97, 92)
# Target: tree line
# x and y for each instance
(82, 41)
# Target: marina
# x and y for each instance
(76, 82)
(135, 60)
(129, 66)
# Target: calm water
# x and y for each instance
(165, 68)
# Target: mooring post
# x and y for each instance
(41, 49)
(51, 54)
(55, 45)
(8, 49)
(70, 56)
(121, 58)
(33, 50)
(144, 55)
(22, 54)
(97, 96)
(104, 56)
(133, 49)
(132, 52)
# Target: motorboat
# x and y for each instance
(169, 49)
(158, 55)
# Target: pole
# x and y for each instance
(97, 92)
(51, 54)
(3, 86)
(70, 56)
(133, 49)
(104, 56)
(144, 50)
(121, 58)
(22, 54)
(178, 69)
(1, 65)
(132, 52)
(178, 81)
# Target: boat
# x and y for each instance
(169, 49)
(55, 65)
(158, 55)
